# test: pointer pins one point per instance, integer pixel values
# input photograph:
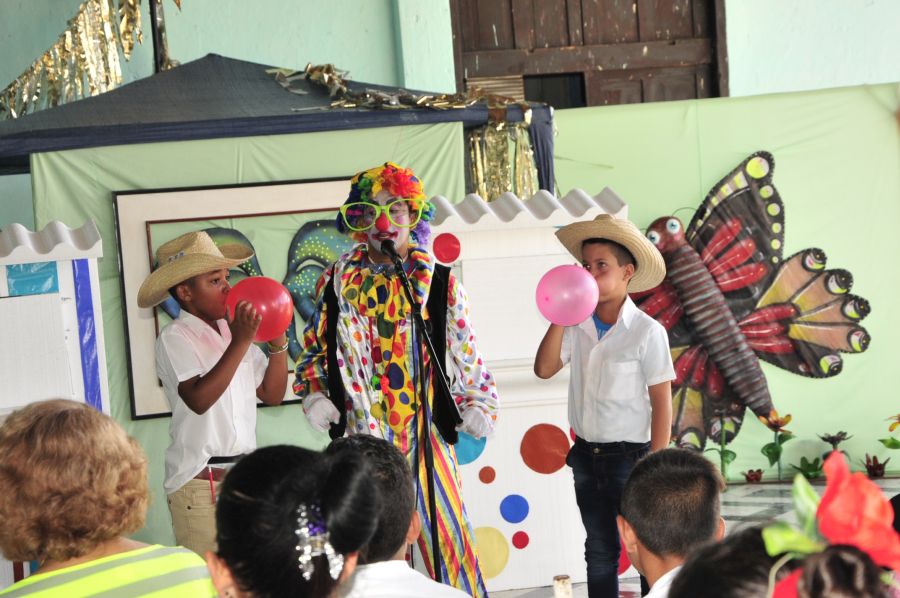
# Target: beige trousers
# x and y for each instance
(194, 516)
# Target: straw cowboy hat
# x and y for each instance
(649, 269)
(184, 257)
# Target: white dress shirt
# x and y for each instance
(661, 588)
(608, 396)
(394, 579)
(189, 347)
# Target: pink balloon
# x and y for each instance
(446, 248)
(270, 299)
(566, 295)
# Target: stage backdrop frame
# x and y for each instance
(141, 218)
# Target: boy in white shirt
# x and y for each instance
(383, 571)
(212, 374)
(670, 507)
(620, 397)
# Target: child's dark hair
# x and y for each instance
(623, 256)
(671, 499)
(840, 572)
(393, 477)
(736, 567)
(256, 517)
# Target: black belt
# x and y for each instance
(222, 460)
(599, 448)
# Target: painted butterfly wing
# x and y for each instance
(738, 231)
(662, 304)
(807, 317)
(703, 405)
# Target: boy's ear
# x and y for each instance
(720, 530)
(626, 532)
(220, 574)
(415, 527)
(629, 271)
(183, 292)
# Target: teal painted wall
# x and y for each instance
(776, 46)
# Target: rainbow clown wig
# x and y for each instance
(399, 182)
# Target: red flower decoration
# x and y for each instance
(401, 182)
(854, 511)
(787, 587)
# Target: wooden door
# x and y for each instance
(623, 51)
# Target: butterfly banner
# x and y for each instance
(730, 299)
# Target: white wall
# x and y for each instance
(798, 45)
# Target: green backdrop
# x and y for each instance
(76, 185)
(837, 167)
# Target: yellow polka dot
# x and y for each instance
(773, 209)
(776, 228)
(493, 551)
(774, 259)
(766, 191)
(757, 168)
(776, 244)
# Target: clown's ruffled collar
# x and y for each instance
(361, 277)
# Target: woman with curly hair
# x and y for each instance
(358, 372)
(74, 486)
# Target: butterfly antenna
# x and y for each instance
(689, 209)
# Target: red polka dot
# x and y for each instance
(544, 448)
(394, 418)
(461, 323)
(487, 474)
(520, 540)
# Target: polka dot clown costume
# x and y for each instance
(376, 353)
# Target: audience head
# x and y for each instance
(739, 567)
(670, 505)
(281, 497)
(840, 572)
(398, 522)
(79, 482)
(736, 567)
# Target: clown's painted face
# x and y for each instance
(396, 211)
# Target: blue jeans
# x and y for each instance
(600, 471)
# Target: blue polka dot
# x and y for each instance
(514, 508)
(468, 449)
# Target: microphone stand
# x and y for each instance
(417, 323)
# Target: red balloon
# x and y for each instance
(271, 300)
(446, 248)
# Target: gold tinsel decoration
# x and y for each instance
(83, 62)
(492, 171)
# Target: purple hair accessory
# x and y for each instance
(312, 541)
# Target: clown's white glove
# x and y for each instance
(475, 422)
(320, 411)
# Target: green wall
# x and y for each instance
(837, 154)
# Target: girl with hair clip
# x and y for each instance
(290, 522)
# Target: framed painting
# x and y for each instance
(288, 225)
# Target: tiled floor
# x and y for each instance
(741, 505)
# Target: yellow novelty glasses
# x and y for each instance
(361, 215)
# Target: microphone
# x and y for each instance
(389, 249)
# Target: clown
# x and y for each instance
(357, 367)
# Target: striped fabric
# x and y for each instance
(159, 571)
(459, 566)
